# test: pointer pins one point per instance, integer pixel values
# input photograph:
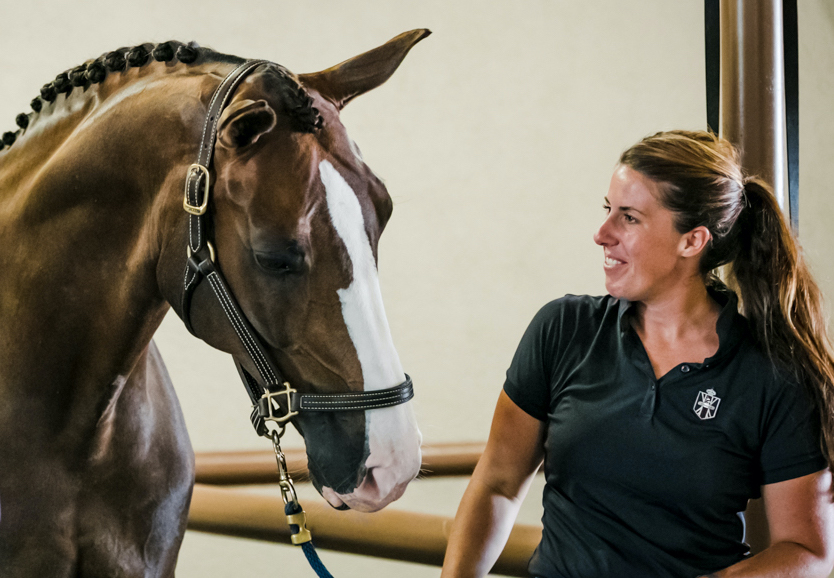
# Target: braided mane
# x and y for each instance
(298, 102)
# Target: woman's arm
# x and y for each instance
(801, 523)
(488, 509)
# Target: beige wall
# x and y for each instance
(496, 139)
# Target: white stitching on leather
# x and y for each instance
(234, 77)
(240, 329)
(371, 406)
(350, 403)
(243, 335)
(362, 394)
(217, 92)
(236, 324)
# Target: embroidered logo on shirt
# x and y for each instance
(706, 406)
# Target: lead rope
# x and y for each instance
(296, 516)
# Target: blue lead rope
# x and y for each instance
(293, 509)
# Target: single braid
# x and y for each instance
(62, 83)
(163, 52)
(96, 72)
(115, 61)
(48, 92)
(304, 112)
(78, 76)
(187, 53)
(138, 56)
(298, 102)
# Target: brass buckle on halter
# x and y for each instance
(195, 170)
(268, 409)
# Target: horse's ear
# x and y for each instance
(244, 121)
(345, 81)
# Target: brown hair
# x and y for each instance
(702, 182)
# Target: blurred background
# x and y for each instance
(496, 139)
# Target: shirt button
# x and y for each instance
(652, 387)
(684, 368)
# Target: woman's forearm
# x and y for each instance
(482, 525)
(781, 560)
(488, 509)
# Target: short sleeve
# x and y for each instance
(791, 446)
(528, 377)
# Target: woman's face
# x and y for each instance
(643, 250)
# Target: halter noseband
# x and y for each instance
(272, 398)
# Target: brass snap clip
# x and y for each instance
(288, 494)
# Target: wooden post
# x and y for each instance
(753, 88)
(753, 118)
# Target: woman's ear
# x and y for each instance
(695, 242)
(244, 121)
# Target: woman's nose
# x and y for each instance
(603, 235)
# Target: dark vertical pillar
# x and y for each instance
(753, 118)
(753, 88)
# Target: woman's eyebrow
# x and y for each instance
(624, 207)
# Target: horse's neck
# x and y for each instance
(83, 199)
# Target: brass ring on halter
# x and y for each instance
(212, 254)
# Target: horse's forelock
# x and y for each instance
(296, 101)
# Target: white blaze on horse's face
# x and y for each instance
(393, 437)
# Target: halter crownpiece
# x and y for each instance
(271, 393)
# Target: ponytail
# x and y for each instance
(782, 301)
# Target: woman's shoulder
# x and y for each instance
(574, 315)
(580, 307)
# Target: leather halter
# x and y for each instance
(272, 398)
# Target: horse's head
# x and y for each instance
(296, 219)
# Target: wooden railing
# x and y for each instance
(390, 533)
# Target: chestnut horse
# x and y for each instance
(96, 468)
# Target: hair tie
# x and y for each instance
(744, 198)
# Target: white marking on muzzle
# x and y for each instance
(392, 432)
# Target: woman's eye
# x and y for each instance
(606, 207)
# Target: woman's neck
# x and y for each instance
(685, 313)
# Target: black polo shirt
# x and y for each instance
(645, 476)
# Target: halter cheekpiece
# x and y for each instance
(273, 399)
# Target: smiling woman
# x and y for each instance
(660, 409)
(644, 253)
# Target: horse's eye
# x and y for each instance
(282, 263)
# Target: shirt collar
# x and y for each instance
(731, 325)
